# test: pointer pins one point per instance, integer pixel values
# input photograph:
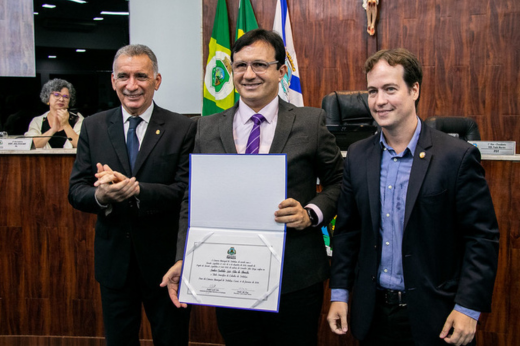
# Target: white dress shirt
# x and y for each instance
(140, 130)
(242, 125)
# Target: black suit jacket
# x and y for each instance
(148, 224)
(311, 153)
(450, 240)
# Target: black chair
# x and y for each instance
(347, 108)
(462, 127)
(348, 116)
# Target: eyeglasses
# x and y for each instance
(58, 95)
(258, 66)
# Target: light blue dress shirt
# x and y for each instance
(393, 185)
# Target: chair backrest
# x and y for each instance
(466, 128)
(347, 108)
(348, 117)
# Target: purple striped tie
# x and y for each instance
(253, 143)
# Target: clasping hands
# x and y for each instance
(113, 186)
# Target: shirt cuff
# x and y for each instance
(106, 207)
(102, 206)
(468, 312)
(339, 295)
(317, 211)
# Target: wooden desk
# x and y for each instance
(48, 295)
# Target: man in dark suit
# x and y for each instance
(258, 66)
(131, 169)
(416, 239)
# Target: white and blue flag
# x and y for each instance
(290, 87)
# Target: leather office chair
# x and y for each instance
(465, 128)
(348, 116)
(347, 108)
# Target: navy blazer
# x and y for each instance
(148, 224)
(450, 240)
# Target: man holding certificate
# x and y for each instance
(261, 123)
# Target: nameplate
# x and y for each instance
(15, 143)
(495, 148)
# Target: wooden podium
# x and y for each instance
(48, 294)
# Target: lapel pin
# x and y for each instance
(157, 132)
(422, 155)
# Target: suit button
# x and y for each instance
(373, 278)
(127, 235)
(375, 246)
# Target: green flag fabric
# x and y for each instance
(246, 18)
(218, 81)
(246, 21)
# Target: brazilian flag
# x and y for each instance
(218, 81)
(246, 21)
(246, 18)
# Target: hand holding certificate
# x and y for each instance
(171, 280)
(234, 249)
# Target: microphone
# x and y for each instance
(69, 138)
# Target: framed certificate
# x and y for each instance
(234, 248)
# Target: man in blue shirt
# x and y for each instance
(416, 240)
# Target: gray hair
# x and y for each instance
(54, 85)
(135, 50)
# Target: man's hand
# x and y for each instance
(293, 214)
(113, 186)
(464, 328)
(172, 279)
(337, 317)
(106, 175)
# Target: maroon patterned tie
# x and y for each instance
(253, 143)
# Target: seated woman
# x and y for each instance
(57, 124)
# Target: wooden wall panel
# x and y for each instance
(203, 326)
(47, 284)
(48, 295)
(11, 267)
(500, 327)
(469, 49)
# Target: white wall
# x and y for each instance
(173, 30)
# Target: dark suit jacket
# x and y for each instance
(148, 225)
(450, 241)
(311, 153)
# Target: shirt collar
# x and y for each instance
(147, 114)
(269, 112)
(413, 142)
